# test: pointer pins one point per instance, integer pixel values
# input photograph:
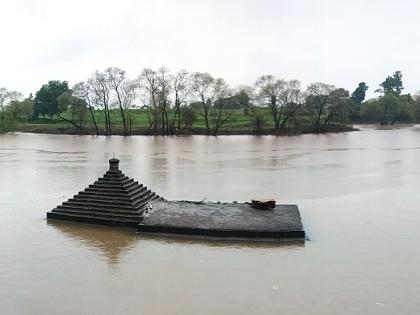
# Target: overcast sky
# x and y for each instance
(336, 42)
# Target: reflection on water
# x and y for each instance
(111, 243)
(359, 199)
(226, 242)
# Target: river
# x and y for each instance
(358, 193)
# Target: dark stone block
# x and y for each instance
(236, 220)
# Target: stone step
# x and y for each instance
(89, 209)
(145, 199)
(132, 195)
(142, 195)
(107, 190)
(93, 219)
(114, 172)
(114, 187)
(101, 201)
(124, 181)
(95, 206)
(127, 199)
(123, 196)
(116, 177)
(103, 194)
(134, 216)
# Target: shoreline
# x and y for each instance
(49, 129)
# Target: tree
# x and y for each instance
(282, 97)
(83, 90)
(268, 90)
(202, 85)
(46, 98)
(101, 91)
(218, 117)
(213, 95)
(22, 109)
(118, 83)
(393, 108)
(128, 93)
(77, 108)
(156, 87)
(149, 84)
(292, 102)
(317, 102)
(164, 83)
(181, 87)
(6, 116)
(357, 98)
(110, 89)
(392, 84)
(188, 116)
(238, 100)
(257, 119)
(371, 111)
(359, 94)
(337, 108)
(416, 105)
(389, 109)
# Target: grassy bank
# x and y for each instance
(238, 123)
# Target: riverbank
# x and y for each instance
(117, 130)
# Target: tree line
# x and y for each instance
(173, 102)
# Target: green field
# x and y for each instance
(140, 121)
(238, 122)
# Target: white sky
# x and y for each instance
(333, 41)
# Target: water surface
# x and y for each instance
(358, 192)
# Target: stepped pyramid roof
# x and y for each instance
(114, 199)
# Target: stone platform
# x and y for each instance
(116, 200)
(235, 220)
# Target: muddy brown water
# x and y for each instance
(358, 192)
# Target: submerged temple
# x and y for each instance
(117, 200)
(114, 199)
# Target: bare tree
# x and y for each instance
(116, 79)
(163, 96)
(317, 98)
(181, 87)
(102, 93)
(222, 96)
(257, 118)
(202, 85)
(269, 90)
(291, 100)
(83, 90)
(149, 84)
(128, 93)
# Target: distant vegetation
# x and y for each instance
(160, 102)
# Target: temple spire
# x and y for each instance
(113, 199)
(113, 164)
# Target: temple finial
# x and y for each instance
(113, 163)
